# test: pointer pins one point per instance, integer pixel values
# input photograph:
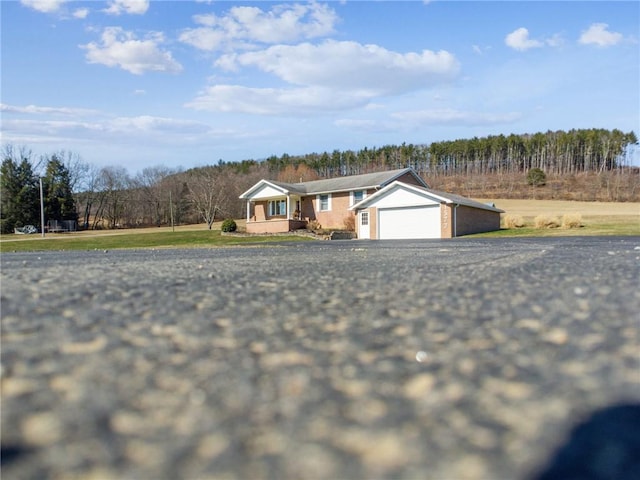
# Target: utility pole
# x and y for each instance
(173, 228)
(41, 209)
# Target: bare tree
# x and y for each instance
(154, 196)
(113, 207)
(209, 192)
(87, 186)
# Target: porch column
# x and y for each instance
(288, 206)
(248, 209)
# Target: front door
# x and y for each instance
(364, 230)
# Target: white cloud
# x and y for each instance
(45, 6)
(597, 34)
(203, 38)
(455, 117)
(143, 128)
(33, 109)
(349, 65)
(519, 40)
(329, 77)
(245, 25)
(133, 7)
(480, 50)
(274, 101)
(159, 125)
(122, 49)
(555, 40)
(366, 125)
(81, 13)
(418, 119)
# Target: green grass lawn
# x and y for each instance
(621, 225)
(183, 239)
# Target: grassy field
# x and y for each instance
(162, 237)
(597, 218)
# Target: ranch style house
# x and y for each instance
(395, 204)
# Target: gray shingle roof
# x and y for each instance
(435, 194)
(464, 201)
(342, 184)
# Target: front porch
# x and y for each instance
(275, 213)
(281, 225)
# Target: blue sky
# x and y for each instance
(135, 83)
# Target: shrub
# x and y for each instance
(573, 220)
(313, 225)
(536, 177)
(513, 221)
(544, 221)
(350, 223)
(229, 225)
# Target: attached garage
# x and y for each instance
(403, 211)
(409, 222)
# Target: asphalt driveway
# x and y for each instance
(466, 358)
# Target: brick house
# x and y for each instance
(383, 205)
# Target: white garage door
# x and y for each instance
(410, 222)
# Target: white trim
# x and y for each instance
(270, 210)
(419, 190)
(248, 193)
(352, 196)
(319, 202)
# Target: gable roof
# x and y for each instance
(441, 197)
(339, 184)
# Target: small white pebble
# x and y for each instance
(421, 356)
(611, 253)
(579, 291)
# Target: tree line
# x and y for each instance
(20, 190)
(111, 197)
(558, 153)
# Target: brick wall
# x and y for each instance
(475, 220)
(446, 221)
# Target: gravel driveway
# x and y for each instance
(466, 358)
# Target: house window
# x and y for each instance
(324, 202)
(357, 196)
(277, 208)
(364, 219)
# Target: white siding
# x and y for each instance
(401, 197)
(266, 191)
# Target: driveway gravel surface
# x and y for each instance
(467, 358)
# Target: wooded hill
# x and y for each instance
(556, 153)
(585, 165)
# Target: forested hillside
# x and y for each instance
(557, 153)
(585, 165)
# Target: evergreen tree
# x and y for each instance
(58, 197)
(19, 195)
